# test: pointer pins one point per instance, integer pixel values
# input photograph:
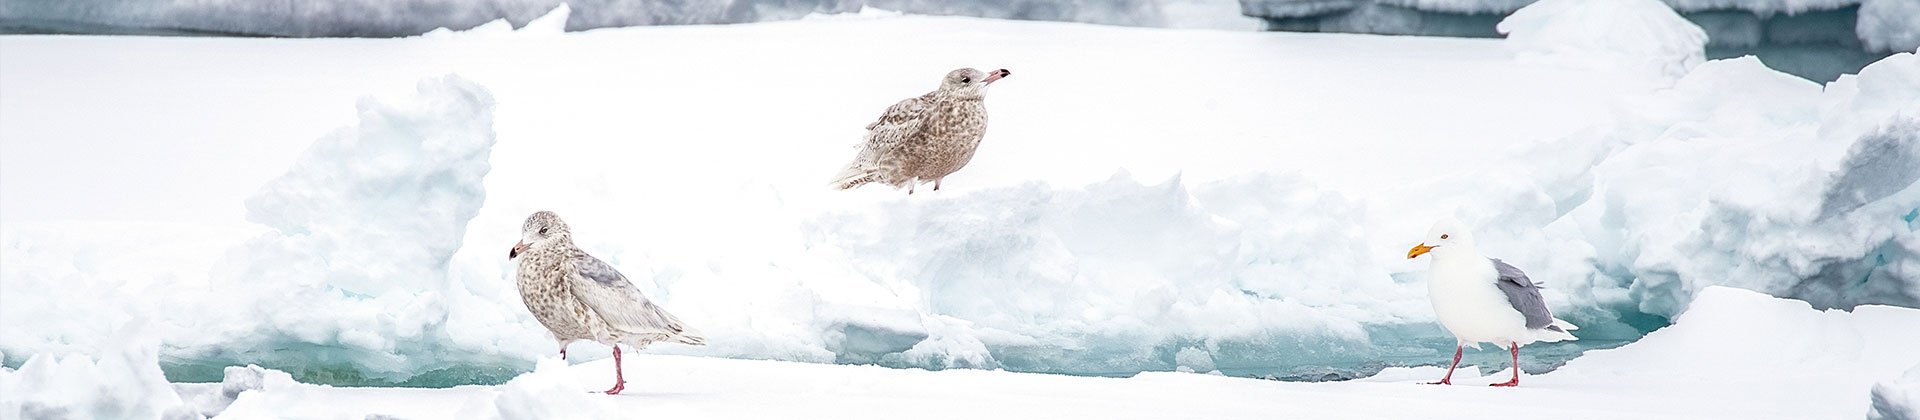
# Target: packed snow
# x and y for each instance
(1840, 26)
(123, 383)
(1760, 7)
(1600, 33)
(1889, 25)
(1735, 354)
(1898, 398)
(550, 24)
(1155, 200)
(382, 18)
(340, 270)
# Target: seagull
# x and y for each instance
(578, 297)
(924, 138)
(1481, 299)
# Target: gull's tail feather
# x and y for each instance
(1564, 325)
(1558, 331)
(689, 337)
(862, 170)
(856, 174)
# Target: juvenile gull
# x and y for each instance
(578, 297)
(1481, 299)
(925, 138)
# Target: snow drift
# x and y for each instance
(363, 226)
(1878, 25)
(1822, 213)
(1603, 33)
(352, 275)
(1898, 398)
(123, 382)
(1760, 357)
(1220, 228)
(1735, 354)
(373, 18)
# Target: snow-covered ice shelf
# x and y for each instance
(1735, 355)
(1146, 199)
(390, 18)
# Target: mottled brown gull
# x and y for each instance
(925, 138)
(578, 297)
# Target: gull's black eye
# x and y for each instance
(543, 232)
(966, 80)
(1442, 236)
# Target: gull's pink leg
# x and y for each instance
(619, 375)
(563, 350)
(936, 185)
(1456, 363)
(1516, 368)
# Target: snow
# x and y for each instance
(363, 226)
(549, 392)
(1799, 145)
(1758, 7)
(1810, 364)
(355, 257)
(1840, 27)
(123, 383)
(380, 18)
(1898, 398)
(552, 23)
(1617, 32)
(1462, 6)
(211, 399)
(1889, 25)
(1741, 343)
(1250, 214)
(1761, 7)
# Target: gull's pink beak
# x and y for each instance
(518, 247)
(997, 75)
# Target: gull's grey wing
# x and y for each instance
(617, 301)
(1523, 295)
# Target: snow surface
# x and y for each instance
(126, 384)
(384, 18)
(1898, 398)
(1880, 26)
(1889, 25)
(1250, 213)
(550, 24)
(351, 229)
(1735, 355)
(1760, 7)
(1617, 32)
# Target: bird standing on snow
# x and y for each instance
(924, 138)
(1481, 299)
(577, 297)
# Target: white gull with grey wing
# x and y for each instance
(1480, 299)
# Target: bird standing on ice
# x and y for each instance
(925, 138)
(1481, 299)
(578, 297)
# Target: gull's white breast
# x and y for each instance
(1468, 303)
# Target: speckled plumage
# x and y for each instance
(925, 138)
(579, 297)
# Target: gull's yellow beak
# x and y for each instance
(1417, 250)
